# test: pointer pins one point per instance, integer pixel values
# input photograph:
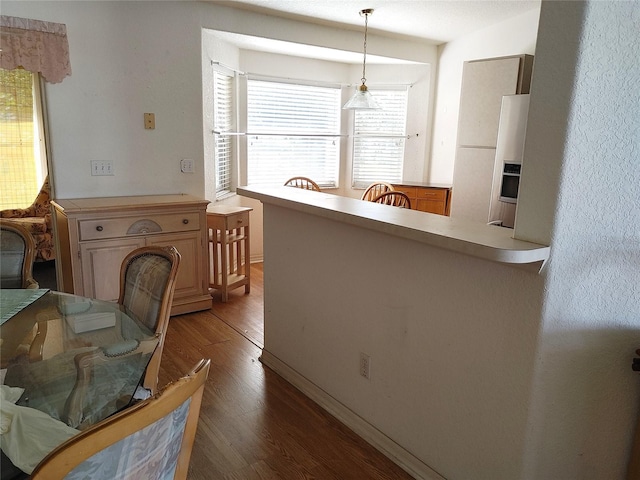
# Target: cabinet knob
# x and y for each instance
(99, 228)
(185, 221)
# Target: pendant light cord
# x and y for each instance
(364, 59)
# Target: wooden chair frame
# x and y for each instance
(37, 219)
(395, 198)
(30, 251)
(375, 189)
(83, 446)
(73, 413)
(171, 254)
(302, 182)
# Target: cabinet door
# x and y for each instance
(101, 261)
(190, 270)
(431, 206)
(483, 85)
(472, 182)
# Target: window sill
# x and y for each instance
(225, 196)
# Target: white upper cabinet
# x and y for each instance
(484, 83)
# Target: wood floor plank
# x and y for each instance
(244, 312)
(257, 471)
(253, 424)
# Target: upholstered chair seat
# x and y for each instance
(37, 221)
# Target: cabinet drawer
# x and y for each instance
(228, 222)
(147, 225)
(435, 194)
(409, 191)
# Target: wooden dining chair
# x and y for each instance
(153, 439)
(17, 254)
(147, 284)
(395, 198)
(302, 182)
(375, 189)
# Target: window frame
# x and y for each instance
(329, 130)
(395, 133)
(224, 133)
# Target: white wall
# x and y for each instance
(451, 338)
(510, 37)
(581, 192)
(128, 58)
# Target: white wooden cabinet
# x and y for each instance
(484, 83)
(95, 234)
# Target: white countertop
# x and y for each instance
(463, 236)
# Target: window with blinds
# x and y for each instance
(223, 123)
(379, 137)
(293, 130)
(24, 163)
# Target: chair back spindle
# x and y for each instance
(375, 189)
(395, 198)
(302, 182)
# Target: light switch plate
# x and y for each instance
(149, 121)
(101, 167)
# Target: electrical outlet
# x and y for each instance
(186, 165)
(365, 365)
(101, 167)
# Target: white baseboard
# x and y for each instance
(256, 259)
(365, 430)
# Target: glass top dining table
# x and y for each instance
(75, 360)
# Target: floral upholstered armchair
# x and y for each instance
(37, 220)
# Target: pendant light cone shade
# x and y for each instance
(362, 99)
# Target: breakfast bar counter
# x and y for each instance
(347, 280)
(476, 239)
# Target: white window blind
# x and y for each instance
(379, 139)
(22, 149)
(293, 130)
(223, 121)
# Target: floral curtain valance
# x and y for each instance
(35, 46)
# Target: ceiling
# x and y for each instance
(436, 21)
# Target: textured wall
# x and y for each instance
(585, 396)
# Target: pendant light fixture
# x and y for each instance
(362, 99)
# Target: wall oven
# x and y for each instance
(510, 182)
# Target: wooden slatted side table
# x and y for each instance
(229, 250)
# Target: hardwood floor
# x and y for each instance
(253, 424)
(241, 312)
